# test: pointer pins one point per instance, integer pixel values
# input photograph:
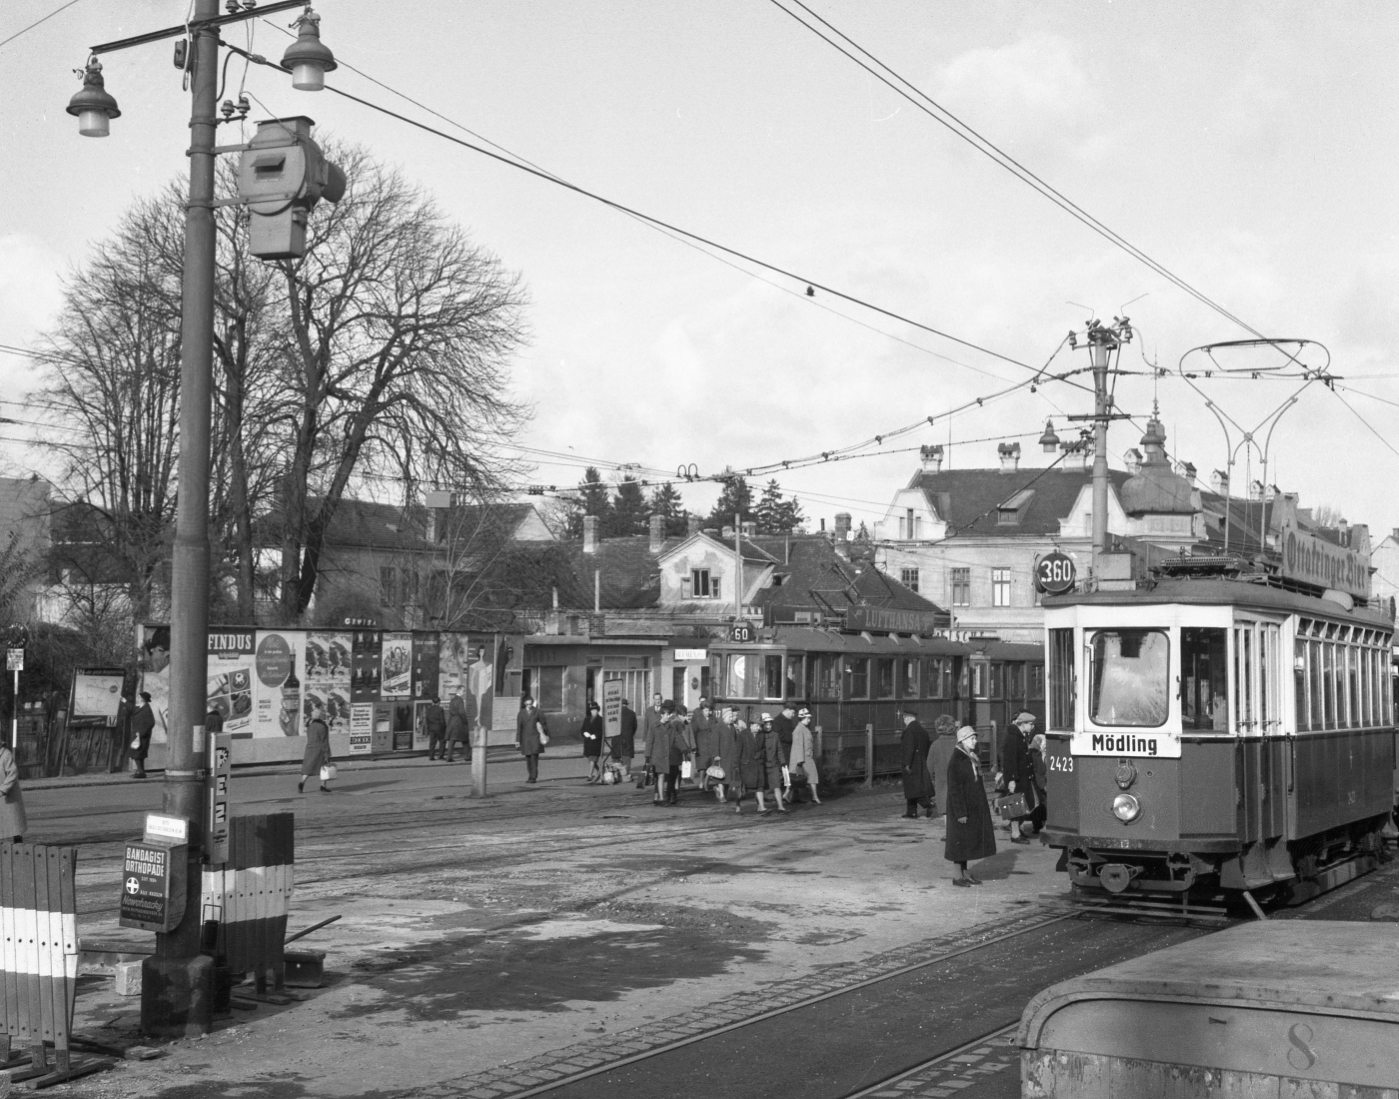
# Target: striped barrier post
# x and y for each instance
(39, 955)
(248, 897)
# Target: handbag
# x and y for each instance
(543, 736)
(786, 777)
(328, 772)
(136, 742)
(687, 769)
(715, 772)
(1012, 807)
(650, 779)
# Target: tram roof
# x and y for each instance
(1225, 593)
(812, 639)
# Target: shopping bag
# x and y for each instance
(328, 772)
(1012, 807)
(715, 772)
(136, 742)
(687, 769)
(786, 778)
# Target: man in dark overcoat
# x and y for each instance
(142, 725)
(650, 724)
(624, 743)
(970, 835)
(704, 725)
(1017, 774)
(435, 725)
(783, 725)
(918, 784)
(530, 730)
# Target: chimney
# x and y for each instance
(1270, 493)
(932, 458)
(727, 533)
(1255, 490)
(1219, 483)
(590, 534)
(1134, 461)
(749, 528)
(843, 526)
(1010, 457)
(1188, 471)
(1075, 457)
(1344, 528)
(693, 524)
(657, 542)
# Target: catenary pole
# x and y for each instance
(180, 1003)
(1098, 350)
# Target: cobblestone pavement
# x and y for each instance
(523, 1078)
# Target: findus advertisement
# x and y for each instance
(266, 683)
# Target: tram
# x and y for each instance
(850, 679)
(1210, 735)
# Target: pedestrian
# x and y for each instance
(213, 721)
(461, 717)
(704, 727)
(121, 735)
(771, 759)
(803, 756)
(624, 743)
(435, 725)
(13, 822)
(970, 835)
(726, 758)
(650, 722)
(592, 742)
(317, 760)
(1041, 814)
(783, 725)
(939, 756)
(671, 745)
(142, 725)
(1017, 773)
(918, 784)
(531, 735)
(747, 768)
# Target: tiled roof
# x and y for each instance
(817, 577)
(968, 499)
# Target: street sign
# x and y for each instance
(1055, 573)
(742, 631)
(14, 660)
(153, 885)
(220, 771)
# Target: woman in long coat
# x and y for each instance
(729, 749)
(592, 741)
(939, 756)
(804, 754)
(13, 822)
(918, 784)
(749, 766)
(317, 751)
(704, 726)
(969, 832)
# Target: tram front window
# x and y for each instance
(1204, 685)
(1130, 674)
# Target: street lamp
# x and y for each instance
(93, 105)
(308, 58)
(1049, 442)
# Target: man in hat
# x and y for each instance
(918, 784)
(1017, 774)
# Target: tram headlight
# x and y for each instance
(1126, 808)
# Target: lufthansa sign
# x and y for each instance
(1311, 560)
(895, 621)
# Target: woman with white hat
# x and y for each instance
(970, 835)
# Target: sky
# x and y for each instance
(1250, 148)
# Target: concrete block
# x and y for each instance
(304, 968)
(128, 975)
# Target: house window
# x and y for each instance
(1000, 587)
(908, 525)
(699, 584)
(546, 684)
(388, 585)
(961, 587)
(909, 578)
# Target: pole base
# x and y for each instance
(177, 996)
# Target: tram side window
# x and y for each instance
(1015, 682)
(908, 676)
(1314, 685)
(794, 677)
(744, 679)
(1204, 687)
(772, 677)
(857, 677)
(1061, 679)
(884, 677)
(1037, 681)
(827, 676)
(1130, 673)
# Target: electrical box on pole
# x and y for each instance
(281, 176)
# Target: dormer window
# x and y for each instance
(1009, 513)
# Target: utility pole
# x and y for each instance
(738, 567)
(177, 982)
(1102, 341)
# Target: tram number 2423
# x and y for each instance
(1059, 763)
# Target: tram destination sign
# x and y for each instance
(1312, 560)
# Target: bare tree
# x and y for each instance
(400, 333)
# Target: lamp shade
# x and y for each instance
(308, 58)
(93, 106)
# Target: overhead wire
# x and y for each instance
(25, 30)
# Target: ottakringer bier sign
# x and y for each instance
(1312, 560)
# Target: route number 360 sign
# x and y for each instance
(1055, 573)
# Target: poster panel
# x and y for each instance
(425, 656)
(153, 660)
(397, 665)
(278, 664)
(466, 667)
(327, 679)
(96, 696)
(365, 650)
(612, 707)
(231, 678)
(361, 728)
